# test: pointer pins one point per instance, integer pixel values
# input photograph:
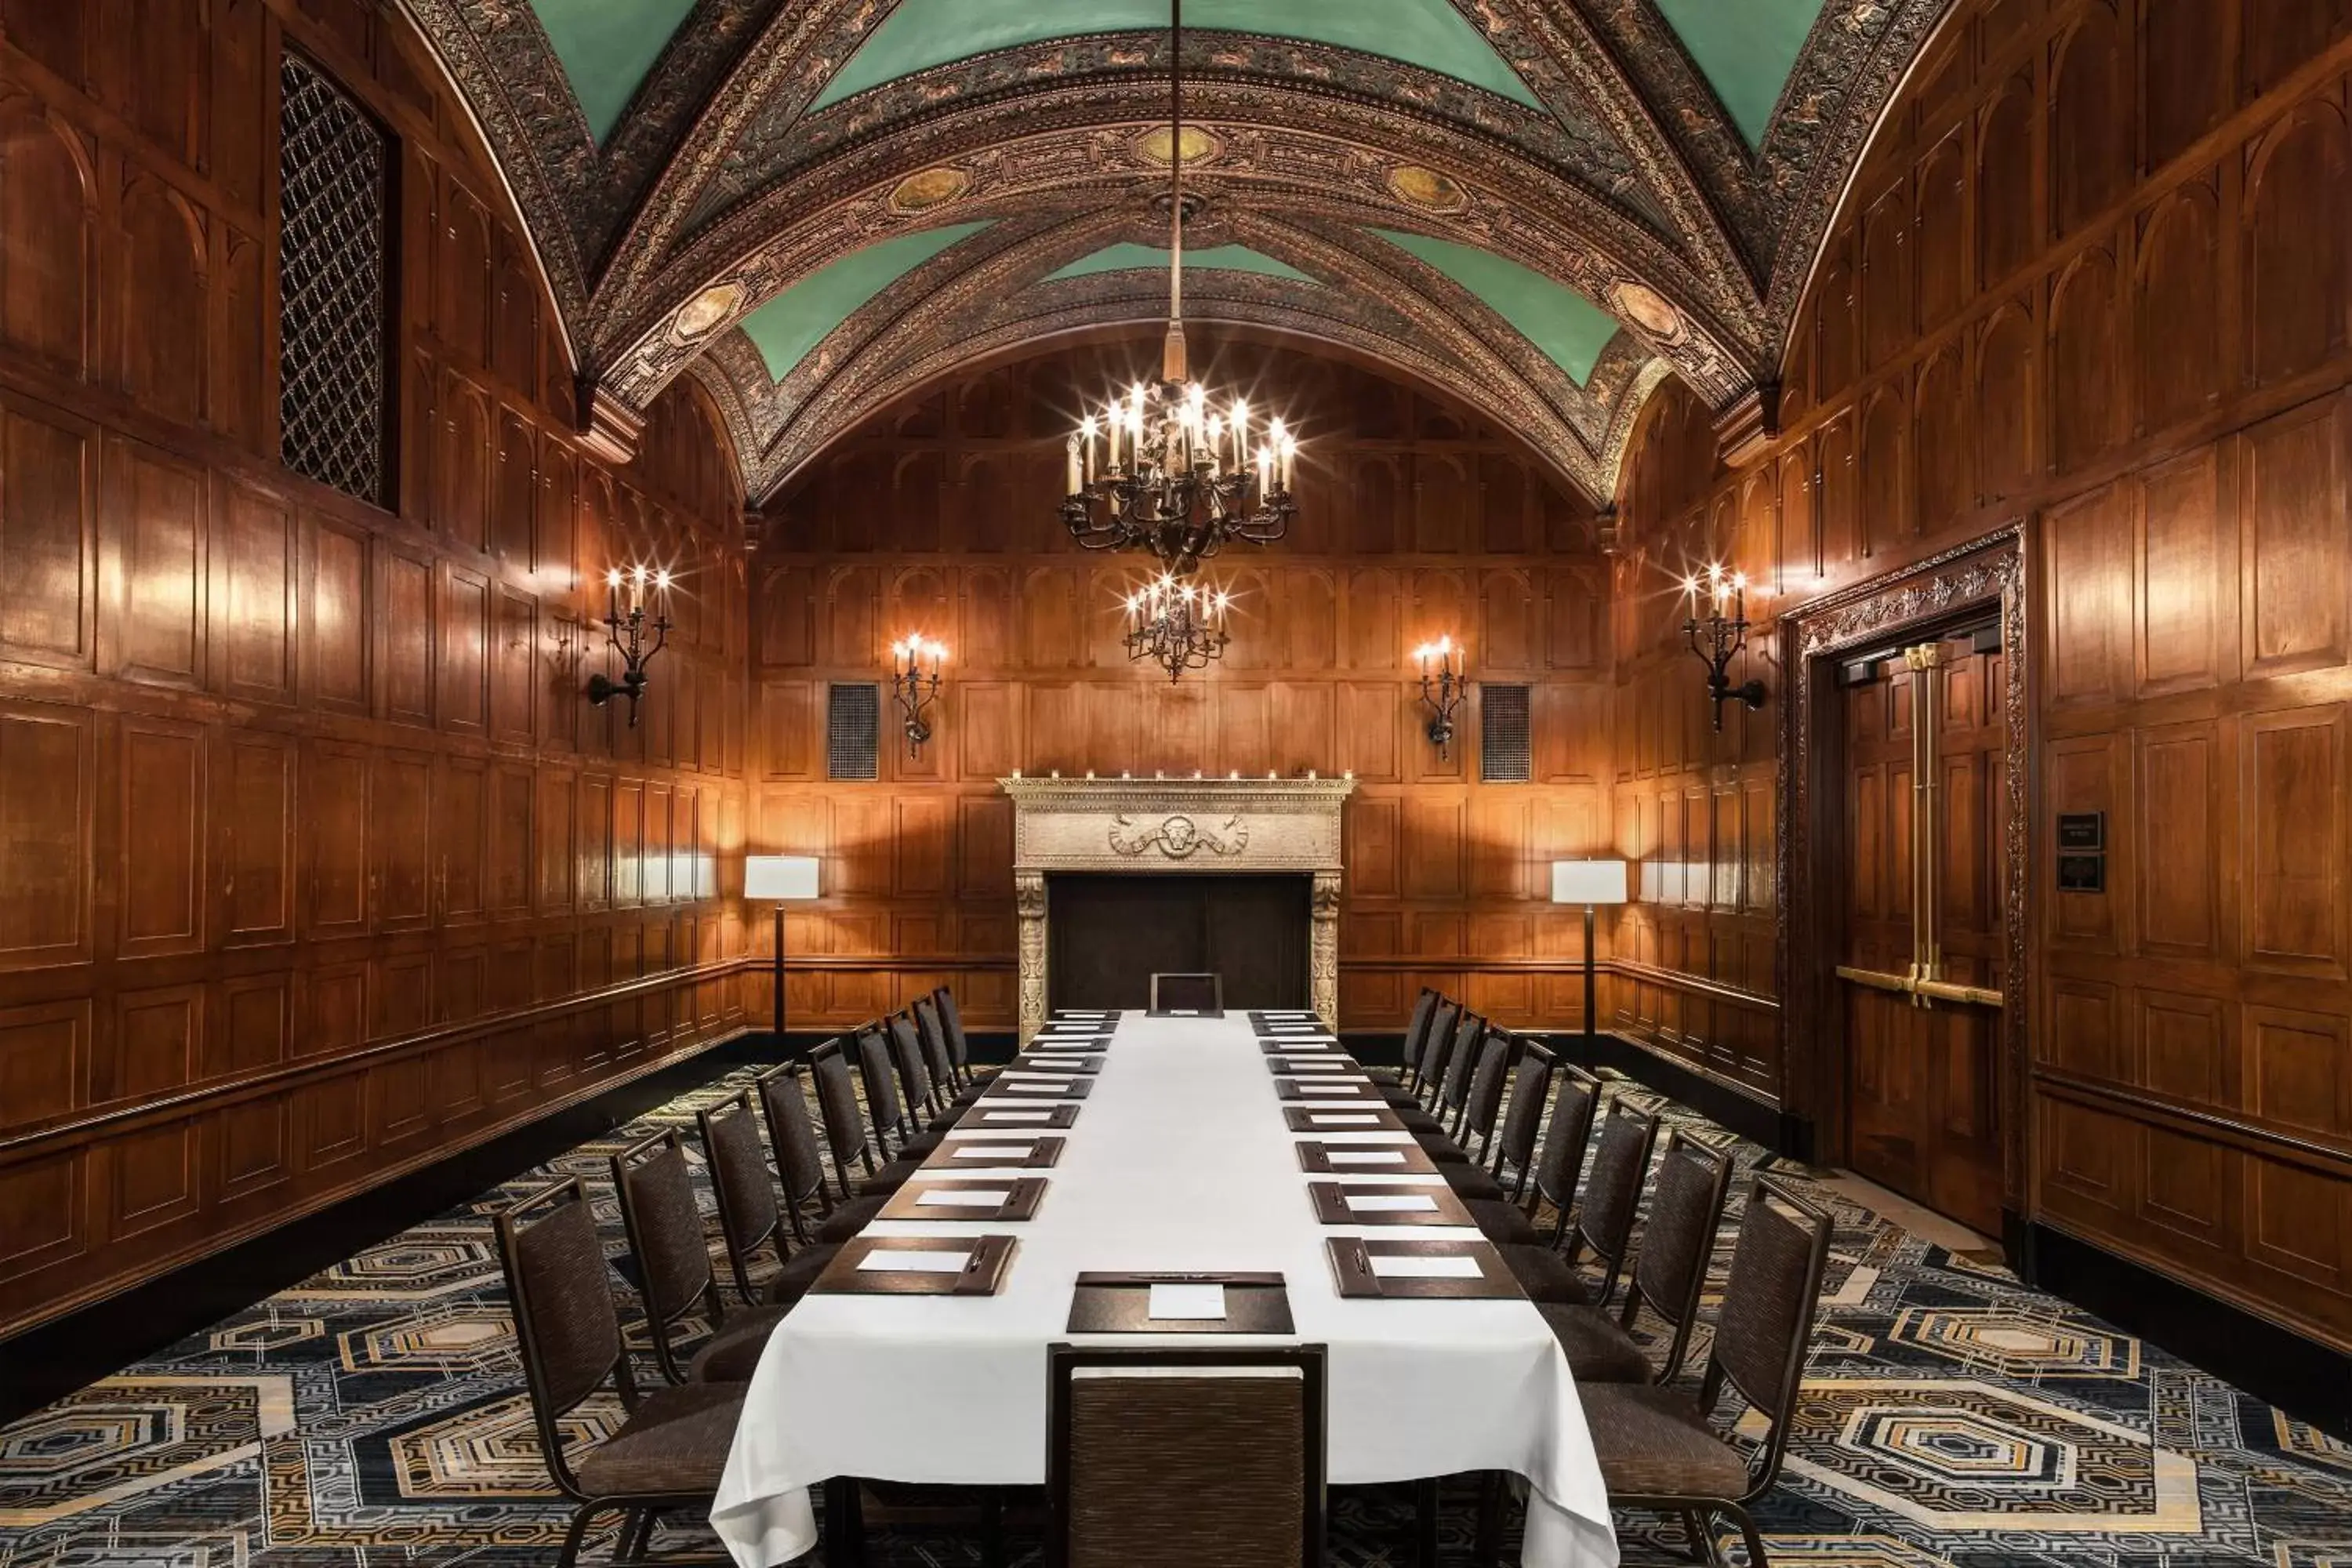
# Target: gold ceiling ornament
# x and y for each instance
(927, 188)
(705, 311)
(1426, 189)
(1198, 146)
(1644, 306)
(1167, 469)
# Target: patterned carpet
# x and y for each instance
(374, 1415)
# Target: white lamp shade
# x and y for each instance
(780, 877)
(1587, 881)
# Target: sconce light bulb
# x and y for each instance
(661, 580)
(1087, 427)
(613, 578)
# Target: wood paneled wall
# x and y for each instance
(941, 517)
(314, 864)
(2093, 275)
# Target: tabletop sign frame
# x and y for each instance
(1255, 1304)
(1022, 1196)
(1331, 1201)
(992, 1259)
(984, 1116)
(1351, 1268)
(1358, 1090)
(1301, 1119)
(1315, 1159)
(1043, 1154)
(1076, 1088)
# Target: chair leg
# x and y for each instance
(845, 1529)
(991, 1530)
(636, 1535)
(575, 1534)
(1486, 1549)
(1748, 1536)
(1697, 1542)
(1425, 1522)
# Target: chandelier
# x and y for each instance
(1180, 624)
(1168, 469)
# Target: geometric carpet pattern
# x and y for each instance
(374, 1415)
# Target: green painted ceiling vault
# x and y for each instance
(606, 48)
(788, 326)
(1569, 329)
(1746, 49)
(1211, 258)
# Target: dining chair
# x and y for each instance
(1436, 1052)
(1416, 1039)
(927, 1116)
(670, 1448)
(958, 1045)
(1658, 1449)
(1613, 1195)
(1469, 1030)
(1561, 1165)
(845, 1133)
(953, 1089)
(1514, 1150)
(1177, 1459)
(800, 1163)
(675, 1278)
(1497, 1050)
(749, 1215)
(1669, 1274)
(895, 1131)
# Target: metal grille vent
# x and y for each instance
(1503, 733)
(331, 240)
(852, 731)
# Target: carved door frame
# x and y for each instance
(1991, 570)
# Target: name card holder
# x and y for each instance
(988, 1259)
(1359, 1275)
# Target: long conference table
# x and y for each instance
(1180, 1158)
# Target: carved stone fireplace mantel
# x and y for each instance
(1159, 825)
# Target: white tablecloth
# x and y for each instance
(1179, 1161)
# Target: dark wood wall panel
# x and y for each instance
(2120, 315)
(1414, 522)
(307, 840)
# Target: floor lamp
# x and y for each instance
(1591, 883)
(780, 878)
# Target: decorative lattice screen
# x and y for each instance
(333, 230)
(852, 731)
(1503, 733)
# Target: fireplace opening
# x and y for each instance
(1110, 934)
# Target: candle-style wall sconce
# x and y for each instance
(1445, 682)
(1717, 629)
(915, 682)
(626, 626)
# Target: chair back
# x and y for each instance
(1188, 992)
(1516, 1146)
(1483, 1100)
(951, 1026)
(837, 1102)
(665, 1229)
(565, 1323)
(1670, 1271)
(1416, 1033)
(1612, 1199)
(798, 1159)
(1768, 1301)
(748, 1216)
(1468, 1030)
(1437, 1050)
(1174, 1459)
(879, 1078)
(1560, 1166)
(914, 1072)
(935, 1044)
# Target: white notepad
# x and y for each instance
(991, 1152)
(1338, 1089)
(1034, 1088)
(1188, 1301)
(1365, 1156)
(1391, 1203)
(1425, 1267)
(901, 1261)
(1317, 1064)
(1017, 1116)
(963, 1197)
(1339, 1119)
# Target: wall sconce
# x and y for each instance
(915, 681)
(1445, 689)
(626, 630)
(1723, 630)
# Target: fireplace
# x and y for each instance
(1274, 844)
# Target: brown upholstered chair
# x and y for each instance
(1178, 1459)
(1201, 993)
(1560, 1165)
(1547, 1276)
(675, 1278)
(748, 1216)
(958, 1046)
(671, 1448)
(955, 1086)
(1398, 1085)
(1480, 1109)
(896, 1132)
(1613, 1196)
(1514, 1146)
(1436, 1053)
(799, 1161)
(914, 1081)
(1669, 1271)
(1657, 1448)
(844, 1132)
(1451, 1091)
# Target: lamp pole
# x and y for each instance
(1591, 883)
(778, 877)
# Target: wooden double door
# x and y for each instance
(1919, 980)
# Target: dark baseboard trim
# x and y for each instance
(1785, 1134)
(2309, 1380)
(56, 1358)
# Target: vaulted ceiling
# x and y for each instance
(1542, 206)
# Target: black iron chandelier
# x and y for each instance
(1181, 626)
(1167, 468)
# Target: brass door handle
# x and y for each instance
(1922, 990)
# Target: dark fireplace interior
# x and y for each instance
(1110, 934)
